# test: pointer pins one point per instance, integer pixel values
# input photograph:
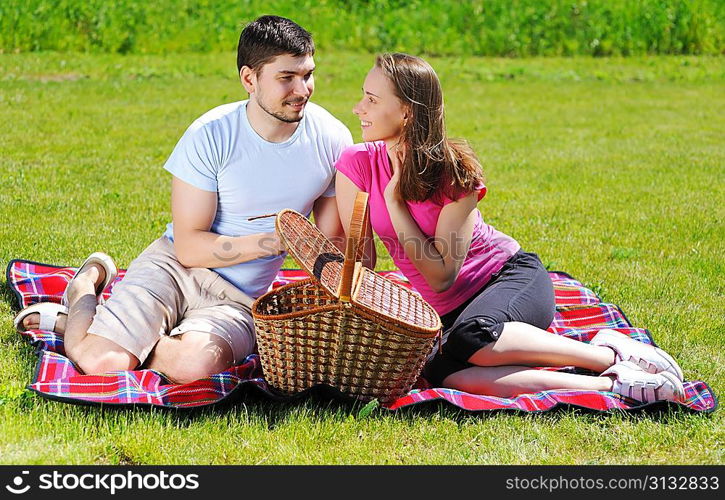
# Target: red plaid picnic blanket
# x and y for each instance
(580, 314)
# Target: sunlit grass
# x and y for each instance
(611, 169)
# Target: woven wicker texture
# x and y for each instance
(308, 337)
(372, 346)
(388, 298)
(312, 251)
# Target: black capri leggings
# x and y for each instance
(520, 291)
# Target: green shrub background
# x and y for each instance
(511, 28)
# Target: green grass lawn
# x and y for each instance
(610, 169)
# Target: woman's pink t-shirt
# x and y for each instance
(368, 167)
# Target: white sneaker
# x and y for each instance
(650, 358)
(631, 381)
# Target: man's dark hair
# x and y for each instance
(270, 36)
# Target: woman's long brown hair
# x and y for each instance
(432, 163)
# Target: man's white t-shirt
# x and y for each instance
(221, 152)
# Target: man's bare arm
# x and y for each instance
(327, 220)
(193, 211)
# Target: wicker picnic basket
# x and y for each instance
(347, 326)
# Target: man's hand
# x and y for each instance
(277, 243)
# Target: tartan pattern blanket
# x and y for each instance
(580, 314)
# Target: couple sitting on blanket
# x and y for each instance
(183, 307)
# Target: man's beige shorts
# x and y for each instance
(158, 296)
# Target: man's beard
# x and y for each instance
(281, 116)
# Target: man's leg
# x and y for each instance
(207, 341)
(191, 356)
(92, 354)
(120, 334)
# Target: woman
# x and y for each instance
(494, 299)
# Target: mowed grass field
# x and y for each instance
(612, 170)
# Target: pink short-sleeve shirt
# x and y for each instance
(367, 166)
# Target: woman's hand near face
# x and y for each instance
(391, 190)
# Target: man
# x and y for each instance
(183, 307)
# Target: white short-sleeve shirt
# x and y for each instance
(221, 152)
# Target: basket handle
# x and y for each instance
(357, 231)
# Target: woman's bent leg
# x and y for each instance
(524, 344)
(504, 326)
(510, 381)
